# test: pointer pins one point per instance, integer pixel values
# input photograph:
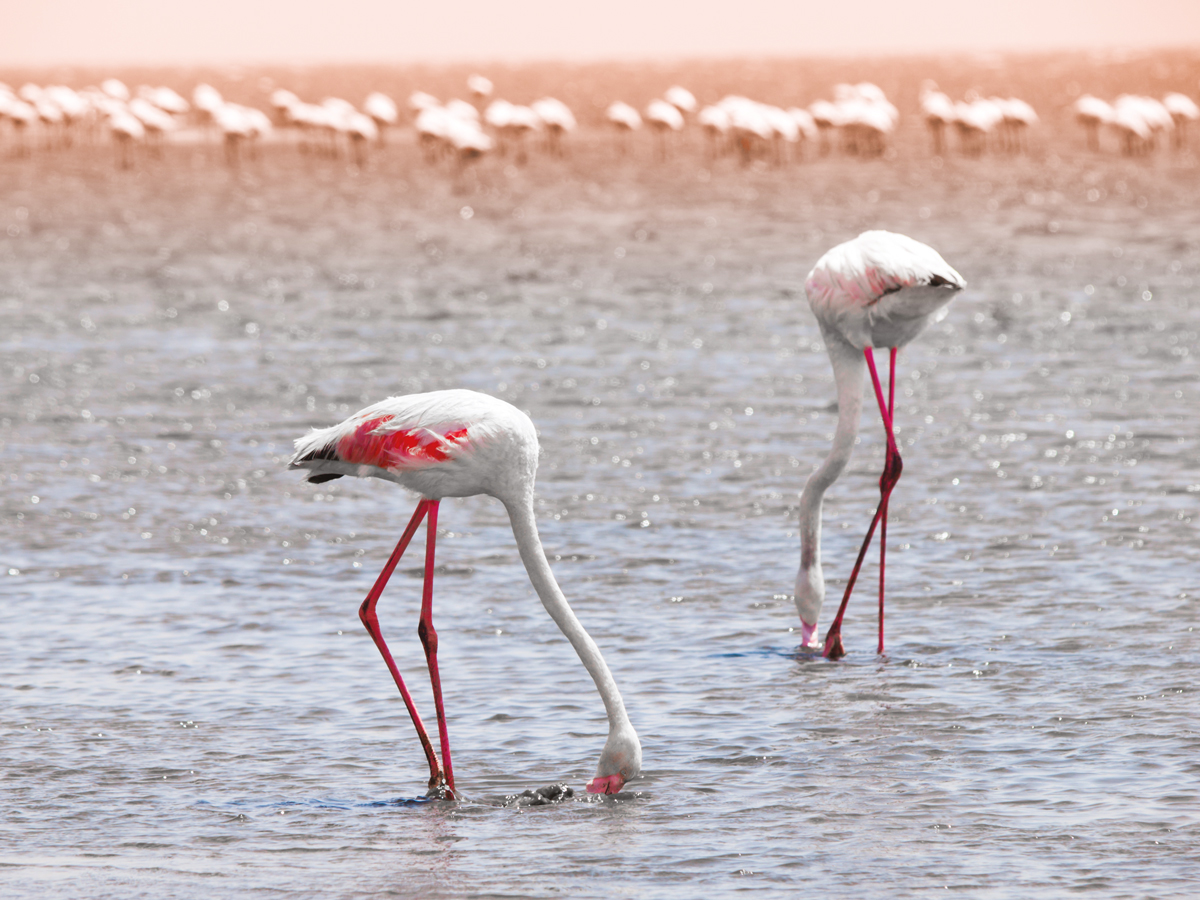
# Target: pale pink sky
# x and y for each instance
(398, 31)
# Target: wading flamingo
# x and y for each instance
(878, 290)
(457, 444)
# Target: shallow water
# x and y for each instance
(192, 707)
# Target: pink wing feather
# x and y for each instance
(370, 445)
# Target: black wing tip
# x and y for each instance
(328, 452)
(321, 479)
(939, 281)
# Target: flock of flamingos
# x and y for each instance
(859, 120)
(877, 291)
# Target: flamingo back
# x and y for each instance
(880, 289)
(441, 444)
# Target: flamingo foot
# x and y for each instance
(439, 789)
(833, 646)
(610, 784)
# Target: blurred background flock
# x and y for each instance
(772, 112)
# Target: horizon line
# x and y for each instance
(601, 59)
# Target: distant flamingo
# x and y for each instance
(458, 444)
(716, 122)
(115, 88)
(625, 120)
(382, 109)
(127, 131)
(156, 122)
(938, 110)
(512, 124)
(480, 87)
(663, 118)
(559, 121)
(681, 98)
(878, 290)
(22, 114)
(1092, 112)
(1016, 118)
(1183, 110)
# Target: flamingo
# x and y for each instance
(749, 125)
(827, 117)
(1092, 112)
(23, 115)
(165, 99)
(716, 122)
(1017, 117)
(663, 118)
(681, 98)
(480, 87)
(784, 130)
(878, 290)
(74, 108)
(155, 121)
(512, 123)
(460, 443)
(382, 109)
(1183, 110)
(284, 102)
(116, 89)
(939, 112)
(804, 121)
(127, 131)
(975, 119)
(1138, 121)
(559, 121)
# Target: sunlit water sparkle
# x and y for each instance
(192, 708)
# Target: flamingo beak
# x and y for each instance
(808, 635)
(610, 784)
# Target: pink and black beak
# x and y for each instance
(609, 784)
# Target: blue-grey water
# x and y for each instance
(191, 707)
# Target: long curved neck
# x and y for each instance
(849, 366)
(529, 544)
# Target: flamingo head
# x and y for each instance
(620, 761)
(808, 635)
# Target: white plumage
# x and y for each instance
(681, 98)
(1181, 107)
(479, 85)
(880, 289)
(624, 116)
(663, 116)
(381, 108)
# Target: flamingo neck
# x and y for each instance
(849, 366)
(529, 544)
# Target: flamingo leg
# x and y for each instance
(370, 619)
(429, 640)
(891, 474)
(892, 468)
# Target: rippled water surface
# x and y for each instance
(192, 709)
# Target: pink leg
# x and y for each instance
(892, 464)
(891, 471)
(892, 467)
(429, 639)
(891, 474)
(366, 612)
(833, 637)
